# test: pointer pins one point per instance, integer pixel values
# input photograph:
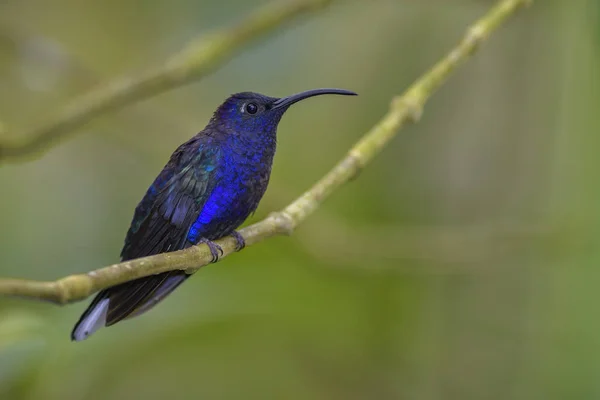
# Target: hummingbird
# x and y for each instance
(207, 189)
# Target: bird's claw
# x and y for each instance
(240, 242)
(214, 248)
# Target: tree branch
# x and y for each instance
(404, 109)
(195, 61)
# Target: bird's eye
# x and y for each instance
(251, 108)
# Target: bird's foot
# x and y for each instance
(240, 242)
(214, 248)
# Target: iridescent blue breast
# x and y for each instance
(242, 178)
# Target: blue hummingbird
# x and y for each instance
(209, 186)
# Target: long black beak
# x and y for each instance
(289, 100)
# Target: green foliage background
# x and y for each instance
(462, 264)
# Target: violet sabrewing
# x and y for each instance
(210, 185)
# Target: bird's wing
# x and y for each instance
(160, 224)
(163, 218)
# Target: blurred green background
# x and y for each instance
(462, 264)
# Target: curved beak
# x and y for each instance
(289, 100)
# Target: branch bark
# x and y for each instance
(197, 60)
(404, 109)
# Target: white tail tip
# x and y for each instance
(95, 320)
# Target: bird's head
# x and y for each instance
(249, 114)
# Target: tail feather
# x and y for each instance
(165, 289)
(125, 301)
(92, 319)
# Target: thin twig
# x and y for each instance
(195, 61)
(404, 109)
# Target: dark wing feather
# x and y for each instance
(163, 219)
(161, 224)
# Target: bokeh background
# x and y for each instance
(462, 264)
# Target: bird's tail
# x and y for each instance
(126, 300)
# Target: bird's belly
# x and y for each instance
(227, 208)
